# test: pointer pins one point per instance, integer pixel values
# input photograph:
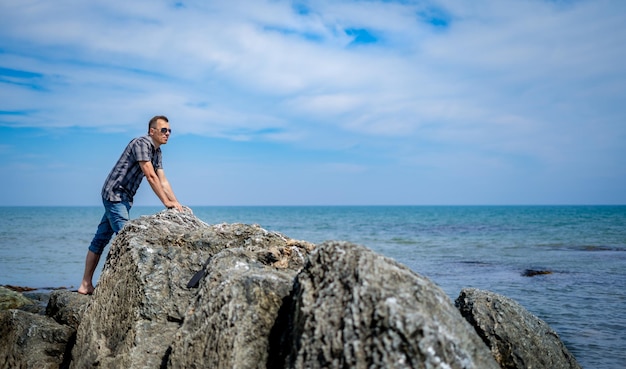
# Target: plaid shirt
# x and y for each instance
(126, 176)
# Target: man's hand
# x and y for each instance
(174, 205)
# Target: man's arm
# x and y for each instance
(160, 185)
(165, 184)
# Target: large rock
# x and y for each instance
(67, 307)
(264, 301)
(228, 324)
(517, 338)
(353, 308)
(33, 341)
(142, 298)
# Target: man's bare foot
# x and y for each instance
(85, 290)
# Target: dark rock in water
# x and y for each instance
(10, 299)
(30, 340)
(19, 288)
(517, 338)
(534, 272)
(263, 300)
(33, 300)
(353, 308)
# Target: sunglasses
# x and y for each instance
(166, 130)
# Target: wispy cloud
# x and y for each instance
(502, 80)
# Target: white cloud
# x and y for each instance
(540, 79)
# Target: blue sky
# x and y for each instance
(318, 102)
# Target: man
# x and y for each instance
(142, 157)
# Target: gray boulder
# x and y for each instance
(142, 298)
(67, 307)
(228, 324)
(33, 341)
(353, 308)
(517, 338)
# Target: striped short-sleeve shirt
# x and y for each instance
(126, 176)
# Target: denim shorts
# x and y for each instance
(116, 214)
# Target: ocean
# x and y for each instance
(486, 247)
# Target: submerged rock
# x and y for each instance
(534, 272)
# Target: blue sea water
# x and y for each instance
(487, 247)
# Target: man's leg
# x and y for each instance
(113, 220)
(100, 239)
(91, 262)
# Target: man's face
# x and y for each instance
(161, 132)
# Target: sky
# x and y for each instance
(342, 102)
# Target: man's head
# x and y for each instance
(159, 129)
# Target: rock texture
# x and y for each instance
(353, 308)
(264, 301)
(67, 307)
(517, 338)
(33, 341)
(143, 314)
(10, 299)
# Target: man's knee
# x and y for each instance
(97, 246)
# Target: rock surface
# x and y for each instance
(517, 338)
(10, 299)
(67, 307)
(142, 311)
(265, 301)
(33, 341)
(353, 308)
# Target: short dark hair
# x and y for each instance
(153, 121)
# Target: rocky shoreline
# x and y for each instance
(263, 300)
